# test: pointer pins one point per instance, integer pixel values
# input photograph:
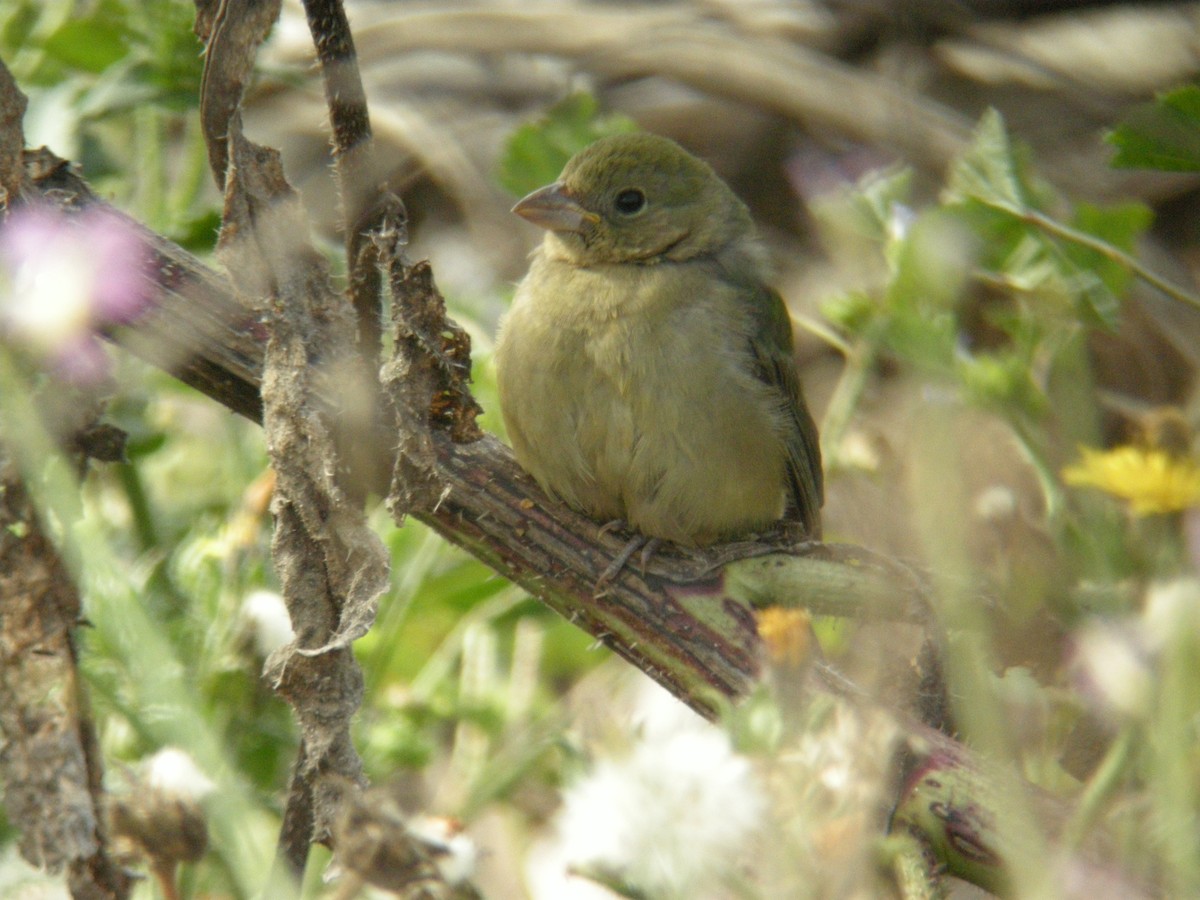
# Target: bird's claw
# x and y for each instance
(648, 546)
(612, 525)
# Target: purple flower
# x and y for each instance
(62, 278)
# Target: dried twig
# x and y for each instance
(50, 765)
(331, 566)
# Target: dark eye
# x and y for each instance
(629, 202)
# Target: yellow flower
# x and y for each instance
(787, 634)
(1153, 481)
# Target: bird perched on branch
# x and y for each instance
(646, 369)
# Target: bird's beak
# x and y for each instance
(554, 209)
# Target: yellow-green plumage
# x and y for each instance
(645, 369)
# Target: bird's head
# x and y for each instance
(636, 198)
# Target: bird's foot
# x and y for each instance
(647, 545)
(613, 525)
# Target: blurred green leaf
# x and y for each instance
(1164, 135)
(990, 170)
(1057, 289)
(998, 234)
(995, 191)
(926, 338)
(1119, 225)
(120, 88)
(167, 54)
(1098, 304)
(536, 153)
(852, 311)
(198, 233)
(1001, 381)
(931, 263)
(877, 201)
(92, 44)
(18, 27)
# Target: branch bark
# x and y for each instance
(50, 762)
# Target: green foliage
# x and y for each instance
(90, 44)
(872, 208)
(1163, 136)
(1120, 225)
(992, 293)
(537, 152)
(113, 85)
(993, 186)
(991, 172)
(145, 50)
(991, 242)
(1001, 380)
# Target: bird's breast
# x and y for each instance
(637, 401)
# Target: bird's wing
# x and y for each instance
(771, 342)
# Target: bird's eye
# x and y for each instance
(630, 201)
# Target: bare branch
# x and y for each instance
(232, 32)
(50, 763)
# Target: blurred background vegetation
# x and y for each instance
(935, 182)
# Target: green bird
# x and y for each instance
(646, 369)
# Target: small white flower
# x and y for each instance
(900, 221)
(1172, 608)
(453, 851)
(173, 772)
(830, 760)
(268, 617)
(1113, 668)
(997, 503)
(860, 451)
(670, 818)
